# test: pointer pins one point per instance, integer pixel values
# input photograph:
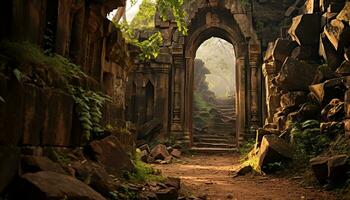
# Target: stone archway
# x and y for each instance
(215, 20)
(194, 42)
(173, 69)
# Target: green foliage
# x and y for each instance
(149, 48)
(143, 171)
(246, 147)
(175, 7)
(144, 19)
(88, 106)
(123, 193)
(309, 141)
(200, 103)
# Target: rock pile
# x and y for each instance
(307, 76)
(160, 154)
(95, 172)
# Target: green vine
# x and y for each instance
(88, 107)
(149, 48)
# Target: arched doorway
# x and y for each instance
(214, 99)
(200, 35)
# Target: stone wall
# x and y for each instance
(78, 30)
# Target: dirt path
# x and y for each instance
(210, 176)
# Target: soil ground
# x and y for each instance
(210, 176)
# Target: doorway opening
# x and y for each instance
(214, 95)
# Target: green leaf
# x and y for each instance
(18, 74)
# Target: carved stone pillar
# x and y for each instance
(241, 99)
(272, 95)
(176, 125)
(254, 55)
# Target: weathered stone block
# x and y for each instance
(305, 29)
(282, 49)
(58, 118)
(305, 53)
(325, 92)
(35, 106)
(11, 111)
(290, 79)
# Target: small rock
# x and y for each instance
(159, 152)
(176, 153)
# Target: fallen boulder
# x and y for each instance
(110, 153)
(50, 185)
(273, 149)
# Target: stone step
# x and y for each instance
(228, 135)
(213, 145)
(205, 150)
(215, 140)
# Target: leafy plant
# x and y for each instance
(246, 147)
(143, 171)
(175, 7)
(149, 48)
(88, 107)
